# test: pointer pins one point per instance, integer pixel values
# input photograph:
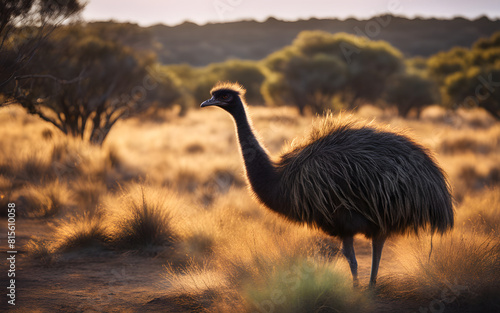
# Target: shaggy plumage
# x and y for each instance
(345, 179)
(346, 169)
(229, 86)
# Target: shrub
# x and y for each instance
(305, 286)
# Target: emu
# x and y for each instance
(344, 179)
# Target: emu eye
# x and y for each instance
(225, 97)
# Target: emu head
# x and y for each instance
(227, 96)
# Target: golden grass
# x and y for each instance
(42, 201)
(463, 270)
(31, 167)
(5, 194)
(81, 232)
(305, 286)
(143, 219)
(481, 212)
(138, 218)
(178, 187)
(41, 250)
(88, 195)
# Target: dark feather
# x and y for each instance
(386, 180)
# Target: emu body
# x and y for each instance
(345, 179)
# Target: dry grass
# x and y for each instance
(42, 201)
(31, 167)
(462, 271)
(223, 252)
(88, 195)
(5, 194)
(41, 250)
(143, 220)
(305, 286)
(481, 212)
(81, 232)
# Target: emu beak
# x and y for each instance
(209, 102)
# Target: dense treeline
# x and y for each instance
(83, 78)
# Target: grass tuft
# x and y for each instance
(42, 201)
(40, 250)
(32, 168)
(88, 195)
(463, 270)
(480, 212)
(144, 220)
(200, 244)
(305, 286)
(464, 144)
(5, 194)
(81, 232)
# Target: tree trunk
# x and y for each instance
(404, 109)
(98, 135)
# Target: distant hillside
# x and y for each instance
(200, 45)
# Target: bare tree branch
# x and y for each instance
(58, 80)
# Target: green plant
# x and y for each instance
(305, 286)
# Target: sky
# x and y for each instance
(173, 12)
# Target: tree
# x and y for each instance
(410, 91)
(165, 89)
(477, 87)
(354, 68)
(305, 81)
(199, 81)
(24, 25)
(487, 43)
(370, 71)
(443, 64)
(84, 84)
(470, 77)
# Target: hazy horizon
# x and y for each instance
(151, 12)
(296, 20)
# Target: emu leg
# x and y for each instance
(348, 251)
(377, 245)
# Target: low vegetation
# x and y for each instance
(103, 154)
(91, 81)
(458, 271)
(143, 193)
(143, 219)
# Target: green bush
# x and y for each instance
(306, 286)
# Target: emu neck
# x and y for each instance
(260, 170)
